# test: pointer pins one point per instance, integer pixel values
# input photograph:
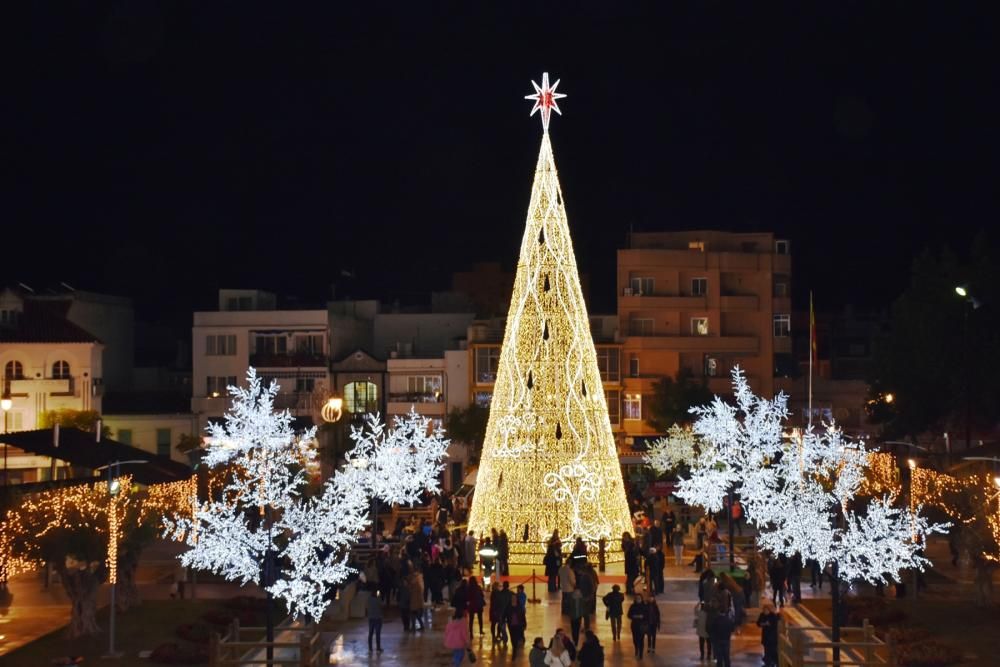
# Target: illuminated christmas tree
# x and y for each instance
(549, 460)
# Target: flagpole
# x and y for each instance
(812, 350)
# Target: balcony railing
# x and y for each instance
(290, 360)
(417, 397)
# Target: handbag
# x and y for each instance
(472, 656)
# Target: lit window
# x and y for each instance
(782, 326)
(711, 366)
(699, 286)
(633, 406)
(699, 326)
(428, 386)
(60, 370)
(487, 362)
(696, 245)
(361, 397)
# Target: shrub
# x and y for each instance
(928, 654)
(193, 632)
(176, 654)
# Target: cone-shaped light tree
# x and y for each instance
(549, 460)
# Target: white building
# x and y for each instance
(289, 346)
(47, 363)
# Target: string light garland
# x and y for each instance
(549, 459)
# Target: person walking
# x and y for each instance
(613, 603)
(552, 562)
(374, 610)
(795, 577)
(701, 628)
(776, 570)
(403, 600)
(494, 611)
(536, 656)
(502, 545)
(517, 619)
(469, 551)
(652, 622)
(768, 623)
(657, 562)
(637, 615)
(677, 540)
(455, 639)
(702, 533)
(586, 583)
(720, 631)
(631, 562)
(591, 653)
(577, 610)
(460, 598)
(505, 602)
(416, 586)
(476, 602)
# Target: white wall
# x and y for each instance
(144, 427)
(38, 392)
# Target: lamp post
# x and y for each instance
(5, 405)
(970, 303)
(114, 488)
(912, 465)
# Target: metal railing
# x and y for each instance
(799, 646)
(234, 648)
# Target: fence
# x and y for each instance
(799, 646)
(293, 647)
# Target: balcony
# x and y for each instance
(642, 302)
(295, 401)
(424, 403)
(50, 386)
(291, 360)
(694, 343)
(739, 302)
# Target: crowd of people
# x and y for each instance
(434, 568)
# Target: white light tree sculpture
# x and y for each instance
(262, 517)
(799, 492)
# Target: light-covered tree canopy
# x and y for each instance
(800, 491)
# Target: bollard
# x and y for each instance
(534, 597)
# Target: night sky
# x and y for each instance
(162, 150)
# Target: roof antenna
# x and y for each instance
(67, 286)
(25, 287)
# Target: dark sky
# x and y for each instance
(161, 150)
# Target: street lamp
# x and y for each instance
(333, 409)
(889, 398)
(970, 303)
(5, 405)
(962, 291)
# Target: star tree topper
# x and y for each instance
(545, 97)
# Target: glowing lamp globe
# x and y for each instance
(332, 410)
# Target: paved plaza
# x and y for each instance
(677, 643)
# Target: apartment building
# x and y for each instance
(703, 301)
(248, 329)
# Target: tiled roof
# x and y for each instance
(45, 322)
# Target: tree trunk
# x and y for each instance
(127, 595)
(82, 587)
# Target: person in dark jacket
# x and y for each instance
(591, 653)
(552, 563)
(657, 562)
(768, 623)
(777, 569)
(631, 554)
(614, 602)
(502, 545)
(652, 623)
(720, 630)
(460, 598)
(536, 657)
(637, 615)
(475, 604)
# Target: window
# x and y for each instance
(712, 366)
(163, 442)
(60, 369)
(305, 384)
(699, 286)
(640, 326)
(608, 364)
(696, 245)
(699, 326)
(218, 385)
(271, 344)
(782, 326)
(239, 303)
(781, 247)
(633, 406)
(642, 285)
(361, 397)
(13, 371)
(311, 344)
(633, 366)
(125, 436)
(220, 345)
(614, 400)
(429, 385)
(9, 317)
(15, 421)
(483, 398)
(781, 285)
(487, 362)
